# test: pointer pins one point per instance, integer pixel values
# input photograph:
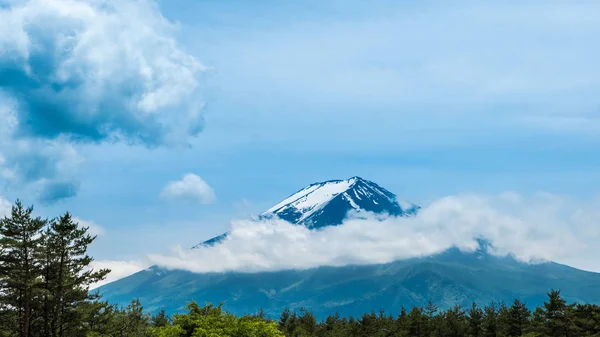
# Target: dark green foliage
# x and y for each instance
(21, 268)
(518, 319)
(44, 274)
(475, 321)
(161, 319)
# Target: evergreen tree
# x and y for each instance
(456, 322)
(430, 308)
(490, 320)
(538, 321)
(518, 318)
(96, 317)
(475, 321)
(402, 322)
(417, 322)
(68, 275)
(20, 267)
(503, 320)
(558, 315)
(160, 319)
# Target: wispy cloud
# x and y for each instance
(93, 228)
(501, 60)
(534, 229)
(190, 187)
(5, 207)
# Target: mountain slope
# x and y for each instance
(448, 278)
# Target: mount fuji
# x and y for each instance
(449, 278)
(328, 203)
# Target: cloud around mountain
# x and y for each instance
(539, 228)
(88, 72)
(118, 269)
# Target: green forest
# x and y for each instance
(45, 277)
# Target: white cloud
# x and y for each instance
(539, 228)
(5, 207)
(88, 71)
(190, 187)
(93, 228)
(119, 269)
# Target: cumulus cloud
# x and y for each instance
(119, 269)
(534, 229)
(88, 71)
(190, 187)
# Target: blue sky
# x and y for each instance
(427, 99)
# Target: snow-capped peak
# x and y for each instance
(327, 203)
(310, 198)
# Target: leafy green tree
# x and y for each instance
(211, 321)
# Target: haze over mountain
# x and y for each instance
(448, 278)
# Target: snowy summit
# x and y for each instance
(328, 204)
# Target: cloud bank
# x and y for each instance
(190, 187)
(535, 229)
(90, 71)
(119, 269)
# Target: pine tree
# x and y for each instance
(456, 322)
(67, 273)
(475, 321)
(518, 318)
(417, 322)
(490, 320)
(503, 319)
(538, 320)
(20, 265)
(160, 319)
(96, 317)
(430, 308)
(558, 315)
